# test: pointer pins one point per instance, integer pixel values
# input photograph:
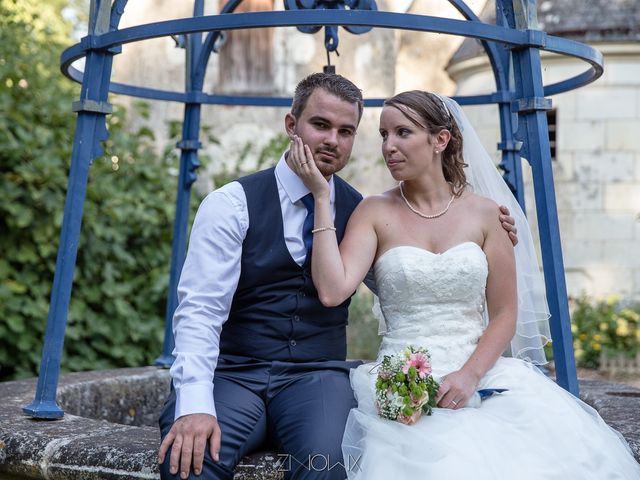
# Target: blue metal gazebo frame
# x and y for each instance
(513, 46)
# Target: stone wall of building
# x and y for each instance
(597, 170)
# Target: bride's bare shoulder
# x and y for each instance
(480, 206)
(381, 200)
(375, 206)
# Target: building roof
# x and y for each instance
(592, 21)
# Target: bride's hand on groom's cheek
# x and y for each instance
(304, 166)
(456, 389)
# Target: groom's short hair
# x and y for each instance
(333, 83)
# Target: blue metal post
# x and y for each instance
(533, 131)
(92, 109)
(511, 163)
(189, 146)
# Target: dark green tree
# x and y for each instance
(117, 307)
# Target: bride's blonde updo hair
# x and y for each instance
(427, 110)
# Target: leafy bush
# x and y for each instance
(603, 326)
(120, 282)
(362, 332)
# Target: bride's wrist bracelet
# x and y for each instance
(322, 229)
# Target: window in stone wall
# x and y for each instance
(553, 131)
(246, 58)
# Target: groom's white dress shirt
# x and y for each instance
(210, 277)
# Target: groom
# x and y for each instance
(249, 324)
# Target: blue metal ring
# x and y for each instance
(403, 21)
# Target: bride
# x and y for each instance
(449, 280)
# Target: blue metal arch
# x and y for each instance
(521, 106)
(424, 23)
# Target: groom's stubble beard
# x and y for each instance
(329, 168)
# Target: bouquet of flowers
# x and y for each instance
(405, 388)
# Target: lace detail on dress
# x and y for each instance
(433, 300)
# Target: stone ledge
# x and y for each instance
(109, 429)
(618, 405)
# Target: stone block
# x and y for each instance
(604, 167)
(565, 221)
(572, 197)
(597, 103)
(582, 136)
(621, 71)
(621, 254)
(599, 280)
(578, 282)
(622, 197)
(556, 68)
(623, 135)
(563, 167)
(565, 106)
(579, 253)
(585, 254)
(603, 226)
(483, 116)
(489, 137)
(480, 82)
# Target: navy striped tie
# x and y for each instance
(307, 226)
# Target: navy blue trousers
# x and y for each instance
(298, 409)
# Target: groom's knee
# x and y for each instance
(210, 471)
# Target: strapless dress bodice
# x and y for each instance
(433, 300)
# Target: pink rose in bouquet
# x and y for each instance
(405, 388)
(420, 361)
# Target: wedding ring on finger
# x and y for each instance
(454, 403)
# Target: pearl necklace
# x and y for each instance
(435, 215)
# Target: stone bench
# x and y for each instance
(109, 429)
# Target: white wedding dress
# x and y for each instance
(535, 430)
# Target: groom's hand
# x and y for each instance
(509, 224)
(188, 439)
